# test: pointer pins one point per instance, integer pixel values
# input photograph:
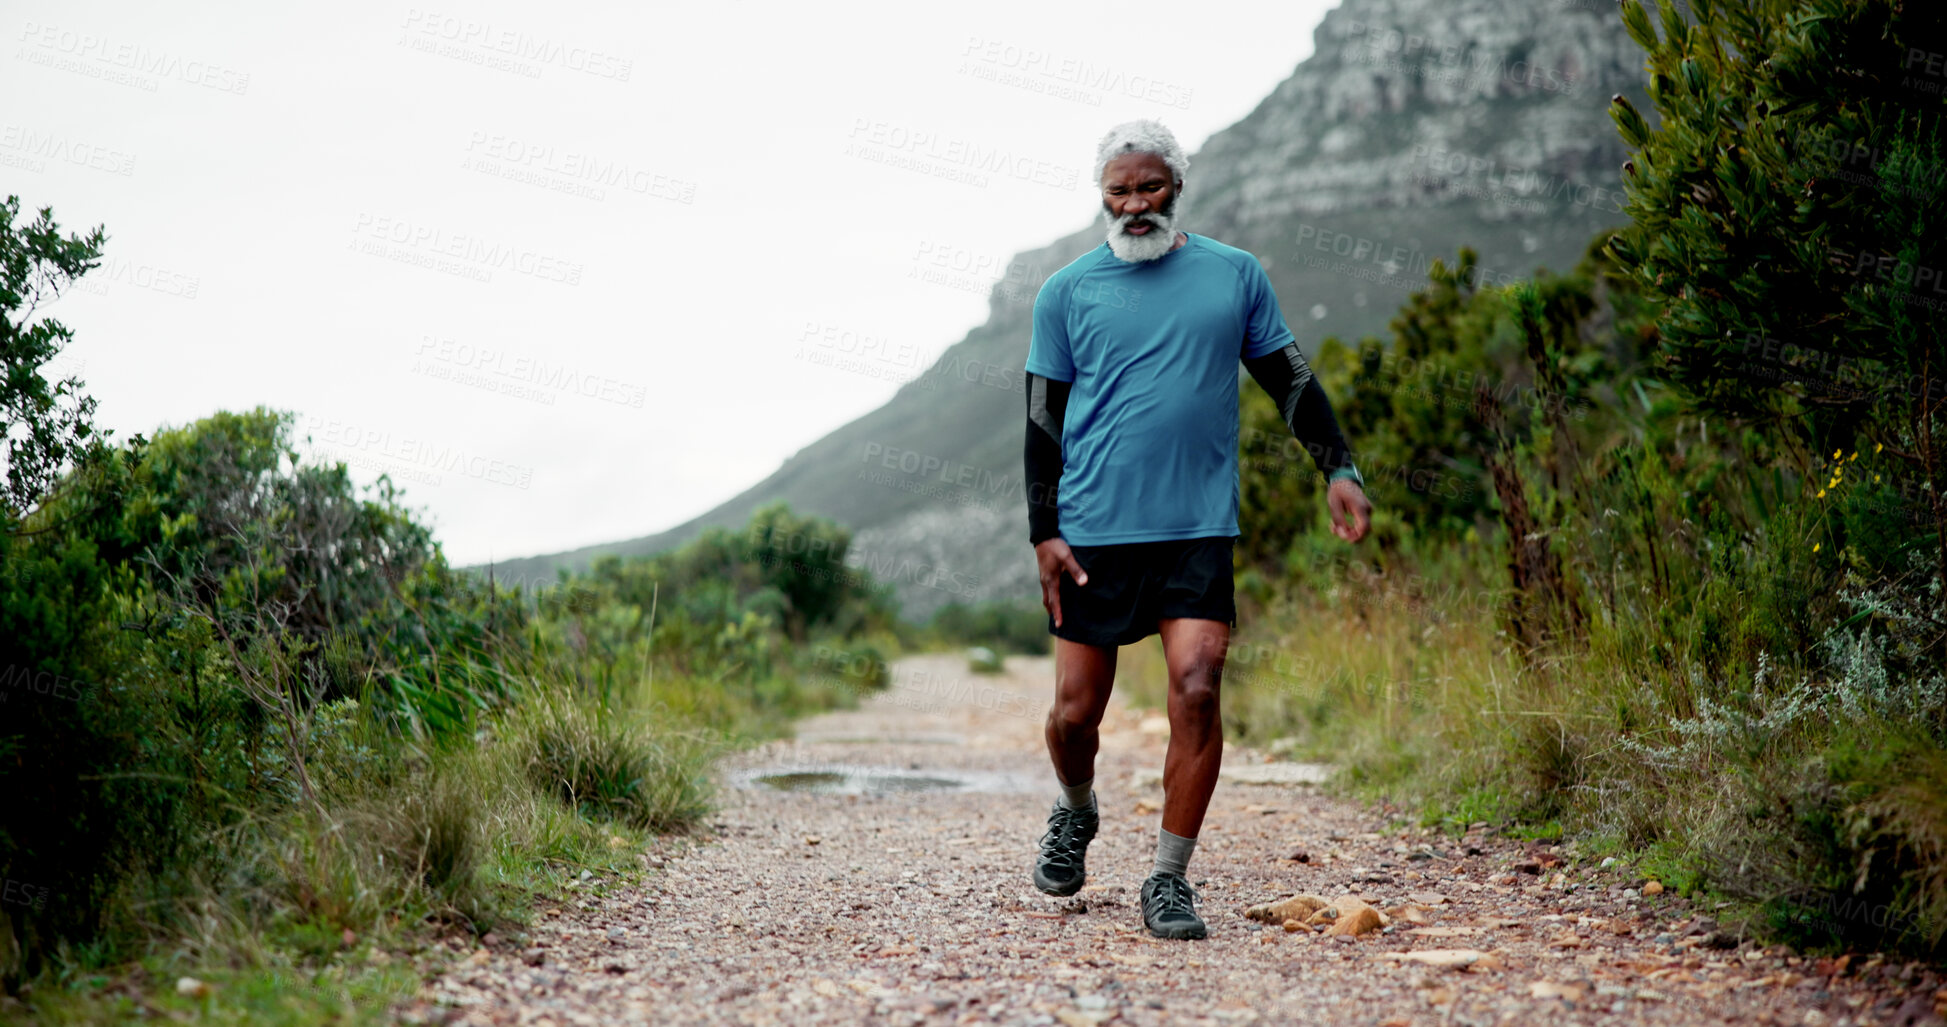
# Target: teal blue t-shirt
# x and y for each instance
(1149, 441)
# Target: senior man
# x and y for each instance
(1131, 456)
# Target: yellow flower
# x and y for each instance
(1816, 545)
(1875, 477)
(1835, 454)
(1821, 494)
(1879, 446)
(1854, 456)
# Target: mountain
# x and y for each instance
(1416, 127)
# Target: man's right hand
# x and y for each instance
(1055, 558)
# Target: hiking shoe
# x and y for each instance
(1170, 907)
(1059, 871)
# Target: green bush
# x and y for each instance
(982, 660)
(1003, 626)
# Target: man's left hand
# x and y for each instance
(1351, 510)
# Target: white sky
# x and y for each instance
(314, 210)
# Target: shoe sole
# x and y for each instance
(1052, 888)
(1179, 933)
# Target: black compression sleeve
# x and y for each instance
(1289, 381)
(1047, 406)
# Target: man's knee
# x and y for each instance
(1194, 688)
(1077, 714)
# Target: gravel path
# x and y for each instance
(871, 904)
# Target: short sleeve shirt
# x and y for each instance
(1149, 441)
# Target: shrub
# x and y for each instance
(600, 762)
(1003, 626)
(982, 660)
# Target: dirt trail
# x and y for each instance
(898, 907)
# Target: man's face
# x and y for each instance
(1139, 199)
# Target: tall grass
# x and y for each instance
(299, 912)
(1378, 673)
(1812, 792)
(611, 764)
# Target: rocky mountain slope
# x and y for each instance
(1416, 127)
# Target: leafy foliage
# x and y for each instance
(1789, 217)
(45, 425)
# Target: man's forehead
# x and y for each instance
(1137, 164)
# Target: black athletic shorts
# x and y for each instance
(1132, 586)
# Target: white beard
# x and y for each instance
(1150, 245)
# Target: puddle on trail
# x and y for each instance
(883, 780)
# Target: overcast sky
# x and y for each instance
(558, 268)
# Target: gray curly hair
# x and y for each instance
(1145, 136)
